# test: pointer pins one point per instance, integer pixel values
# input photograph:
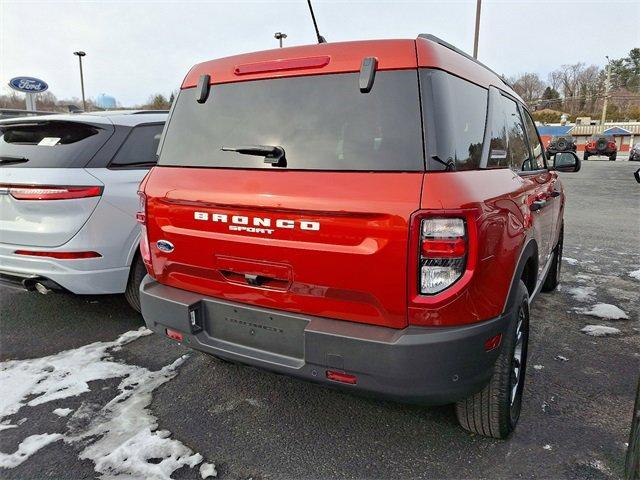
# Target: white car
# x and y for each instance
(68, 200)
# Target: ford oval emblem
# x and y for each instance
(28, 84)
(164, 246)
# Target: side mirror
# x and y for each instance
(566, 162)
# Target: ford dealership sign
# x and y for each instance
(28, 85)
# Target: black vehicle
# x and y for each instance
(601, 145)
(634, 153)
(561, 143)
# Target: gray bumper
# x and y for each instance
(429, 365)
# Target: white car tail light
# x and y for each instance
(47, 192)
(141, 216)
(443, 253)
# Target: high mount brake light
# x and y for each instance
(443, 253)
(51, 192)
(281, 65)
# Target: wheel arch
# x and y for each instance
(526, 270)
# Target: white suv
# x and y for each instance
(68, 200)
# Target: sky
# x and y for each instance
(137, 48)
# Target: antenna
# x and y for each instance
(315, 25)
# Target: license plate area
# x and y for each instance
(278, 333)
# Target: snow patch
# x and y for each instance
(121, 437)
(635, 274)
(606, 311)
(561, 358)
(600, 330)
(547, 447)
(582, 294)
(570, 261)
(538, 367)
(62, 412)
(208, 470)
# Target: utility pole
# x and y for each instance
(280, 36)
(81, 54)
(477, 34)
(607, 87)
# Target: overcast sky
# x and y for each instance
(136, 48)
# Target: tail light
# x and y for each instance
(141, 217)
(443, 253)
(59, 255)
(611, 145)
(46, 192)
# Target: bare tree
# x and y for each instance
(529, 86)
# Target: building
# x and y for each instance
(625, 134)
(106, 102)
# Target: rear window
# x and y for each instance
(322, 123)
(50, 144)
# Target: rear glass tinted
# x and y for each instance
(455, 114)
(139, 149)
(322, 123)
(50, 144)
(509, 146)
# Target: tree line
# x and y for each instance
(578, 90)
(48, 102)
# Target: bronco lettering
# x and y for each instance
(241, 223)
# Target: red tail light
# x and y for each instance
(341, 377)
(59, 255)
(611, 145)
(173, 334)
(47, 192)
(141, 216)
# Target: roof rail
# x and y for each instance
(439, 41)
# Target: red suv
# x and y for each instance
(374, 215)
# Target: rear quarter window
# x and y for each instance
(322, 122)
(139, 149)
(50, 144)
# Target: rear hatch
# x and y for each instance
(45, 194)
(325, 231)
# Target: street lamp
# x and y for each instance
(81, 54)
(279, 36)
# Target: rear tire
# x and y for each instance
(553, 275)
(494, 411)
(585, 156)
(612, 158)
(136, 274)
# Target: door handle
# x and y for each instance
(537, 205)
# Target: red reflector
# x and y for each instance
(45, 192)
(444, 248)
(59, 255)
(280, 65)
(492, 343)
(173, 335)
(341, 377)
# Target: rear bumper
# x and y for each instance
(429, 365)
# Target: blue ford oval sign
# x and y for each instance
(28, 85)
(164, 246)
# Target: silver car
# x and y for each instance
(68, 200)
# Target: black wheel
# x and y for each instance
(612, 158)
(136, 274)
(632, 469)
(494, 412)
(553, 275)
(585, 156)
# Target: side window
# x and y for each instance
(139, 149)
(537, 150)
(508, 146)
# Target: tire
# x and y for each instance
(494, 411)
(136, 274)
(585, 156)
(553, 275)
(632, 464)
(612, 158)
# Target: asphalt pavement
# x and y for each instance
(255, 424)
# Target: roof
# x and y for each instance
(129, 118)
(611, 128)
(345, 57)
(554, 130)
(617, 131)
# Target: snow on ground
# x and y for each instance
(570, 261)
(121, 437)
(208, 470)
(600, 330)
(606, 311)
(582, 294)
(538, 367)
(635, 274)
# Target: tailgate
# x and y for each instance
(43, 223)
(331, 244)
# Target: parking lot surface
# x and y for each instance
(191, 410)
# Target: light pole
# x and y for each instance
(279, 36)
(81, 54)
(477, 34)
(607, 86)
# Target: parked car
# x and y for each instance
(561, 143)
(601, 145)
(336, 213)
(634, 153)
(68, 200)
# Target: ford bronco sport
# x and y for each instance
(374, 215)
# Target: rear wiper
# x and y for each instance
(6, 160)
(273, 155)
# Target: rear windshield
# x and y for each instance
(50, 144)
(322, 123)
